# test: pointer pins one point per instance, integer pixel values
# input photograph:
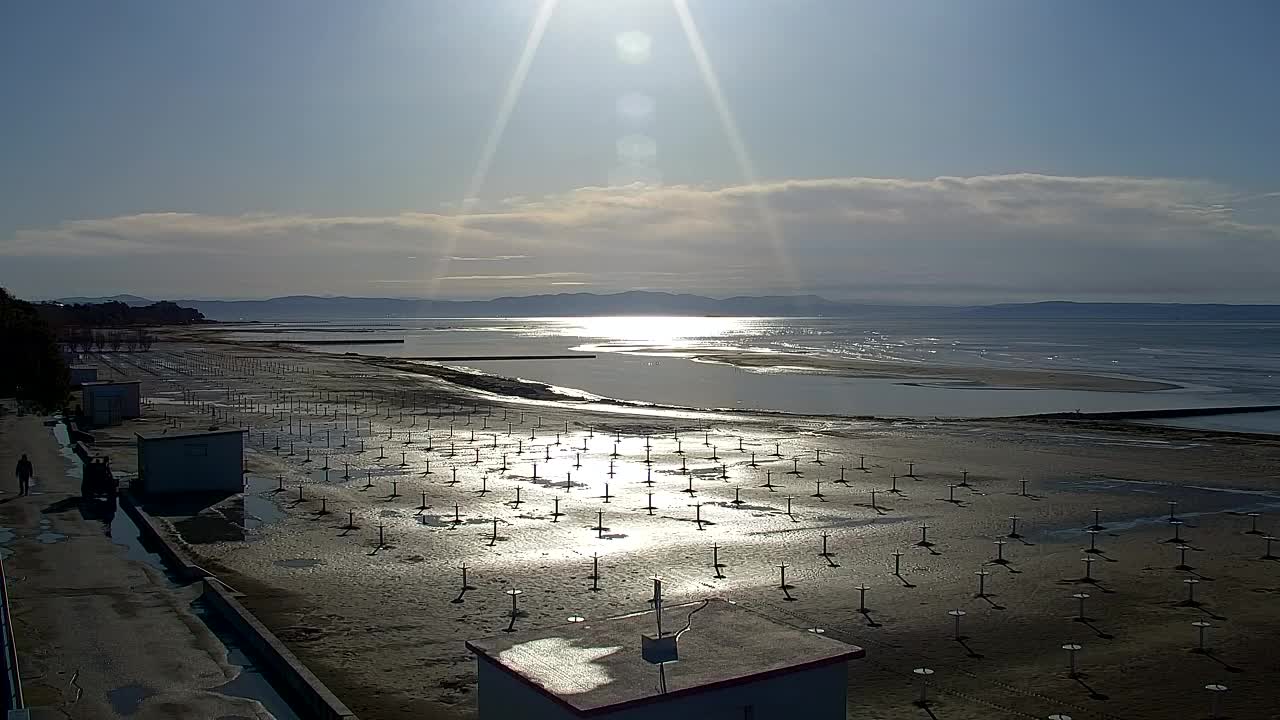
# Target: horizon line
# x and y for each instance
(814, 296)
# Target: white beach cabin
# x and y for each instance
(110, 403)
(734, 664)
(207, 461)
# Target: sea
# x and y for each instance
(654, 359)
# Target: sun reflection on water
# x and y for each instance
(654, 332)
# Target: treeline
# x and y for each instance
(31, 366)
(84, 340)
(117, 314)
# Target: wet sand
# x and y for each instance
(383, 626)
(975, 376)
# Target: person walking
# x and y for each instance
(24, 471)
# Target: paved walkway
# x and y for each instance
(100, 635)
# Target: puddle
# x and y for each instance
(208, 529)
(49, 538)
(556, 484)
(447, 521)
(299, 563)
(1193, 501)
(259, 509)
(127, 699)
(250, 683)
(744, 506)
(125, 534)
(805, 523)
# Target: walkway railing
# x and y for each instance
(12, 682)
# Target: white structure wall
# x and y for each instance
(818, 693)
(109, 403)
(191, 462)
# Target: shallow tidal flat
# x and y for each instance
(383, 622)
(919, 372)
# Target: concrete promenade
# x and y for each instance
(101, 633)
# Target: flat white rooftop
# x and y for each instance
(188, 434)
(596, 665)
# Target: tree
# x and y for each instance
(84, 339)
(118, 314)
(31, 368)
(115, 338)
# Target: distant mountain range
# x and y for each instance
(1149, 312)
(308, 307)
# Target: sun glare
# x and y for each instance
(514, 86)
(654, 331)
(730, 127)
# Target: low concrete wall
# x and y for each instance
(153, 539)
(75, 434)
(317, 700)
(306, 688)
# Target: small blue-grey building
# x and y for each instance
(111, 402)
(207, 461)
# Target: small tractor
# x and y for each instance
(98, 482)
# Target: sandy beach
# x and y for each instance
(383, 624)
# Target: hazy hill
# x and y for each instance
(308, 307)
(132, 300)
(1133, 312)
(566, 304)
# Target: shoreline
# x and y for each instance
(815, 364)
(515, 389)
(1157, 414)
(1030, 379)
(510, 388)
(523, 389)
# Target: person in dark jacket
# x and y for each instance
(24, 471)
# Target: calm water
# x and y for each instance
(648, 359)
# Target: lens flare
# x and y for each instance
(634, 47)
(636, 108)
(730, 128)
(637, 148)
(514, 85)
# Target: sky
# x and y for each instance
(904, 151)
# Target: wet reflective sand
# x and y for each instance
(359, 519)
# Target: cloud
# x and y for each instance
(948, 238)
(494, 278)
